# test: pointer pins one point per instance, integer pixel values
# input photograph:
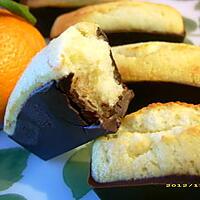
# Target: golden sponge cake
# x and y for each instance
(127, 21)
(157, 141)
(159, 61)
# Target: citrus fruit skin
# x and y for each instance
(19, 42)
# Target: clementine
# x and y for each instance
(19, 42)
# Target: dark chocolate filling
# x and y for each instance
(111, 117)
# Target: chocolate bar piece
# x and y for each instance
(70, 94)
(48, 126)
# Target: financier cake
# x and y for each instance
(70, 88)
(158, 141)
(128, 21)
(161, 61)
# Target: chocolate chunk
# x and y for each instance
(48, 125)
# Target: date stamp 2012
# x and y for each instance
(182, 185)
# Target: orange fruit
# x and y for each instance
(19, 42)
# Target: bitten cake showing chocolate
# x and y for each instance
(156, 142)
(69, 94)
(128, 21)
